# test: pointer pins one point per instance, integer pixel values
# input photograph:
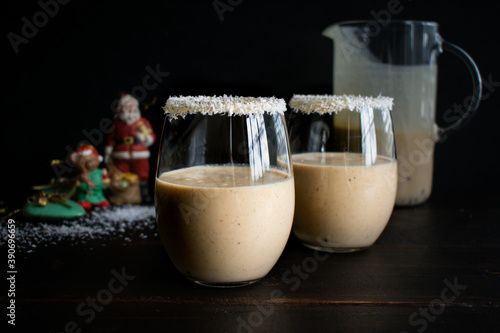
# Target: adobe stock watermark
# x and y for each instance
(421, 318)
(223, 6)
(88, 309)
(30, 27)
(253, 149)
(96, 136)
(293, 278)
(381, 19)
(200, 201)
(458, 112)
(420, 150)
(191, 211)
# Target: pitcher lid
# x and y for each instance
(230, 105)
(334, 103)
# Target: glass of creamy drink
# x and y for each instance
(345, 170)
(400, 59)
(224, 192)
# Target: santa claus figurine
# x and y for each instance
(128, 142)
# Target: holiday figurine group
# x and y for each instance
(87, 185)
(127, 146)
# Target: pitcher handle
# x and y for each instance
(443, 132)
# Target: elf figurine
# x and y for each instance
(128, 142)
(91, 180)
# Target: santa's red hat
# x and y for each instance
(87, 149)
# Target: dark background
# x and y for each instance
(64, 79)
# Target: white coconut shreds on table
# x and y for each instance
(116, 222)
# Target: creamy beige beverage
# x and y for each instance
(342, 205)
(415, 167)
(220, 226)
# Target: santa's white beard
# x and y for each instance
(129, 117)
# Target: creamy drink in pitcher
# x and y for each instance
(221, 226)
(415, 166)
(341, 204)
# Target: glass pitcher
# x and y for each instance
(399, 59)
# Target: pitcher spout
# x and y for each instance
(330, 31)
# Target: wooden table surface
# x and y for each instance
(436, 268)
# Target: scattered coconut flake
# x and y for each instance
(230, 105)
(116, 222)
(334, 103)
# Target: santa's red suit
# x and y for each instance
(128, 144)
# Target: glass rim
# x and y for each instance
(176, 106)
(334, 103)
(392, 22)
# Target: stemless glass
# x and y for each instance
(224, 192)
(345, 170)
